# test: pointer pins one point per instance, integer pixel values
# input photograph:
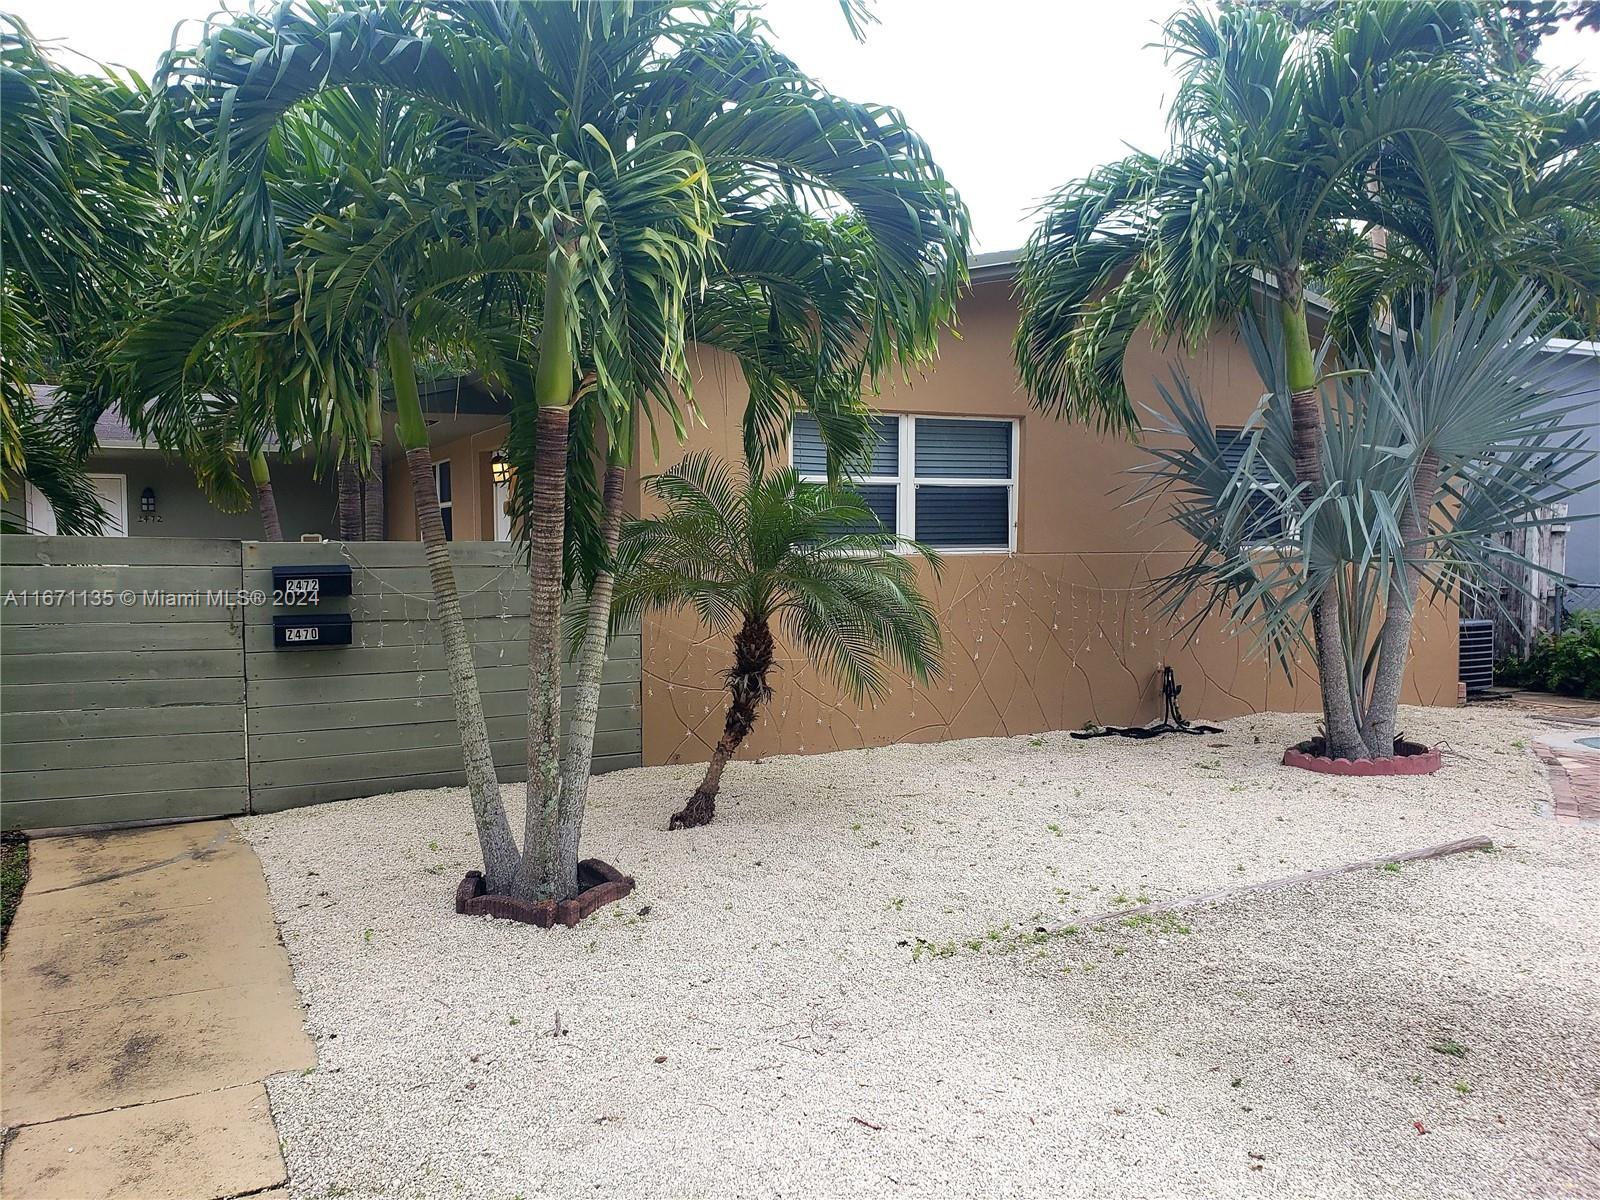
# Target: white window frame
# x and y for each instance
(907, 481)
(450, 533)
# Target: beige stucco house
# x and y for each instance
(1045, 620)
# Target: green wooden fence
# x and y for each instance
(138, 679)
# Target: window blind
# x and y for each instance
(963, 449)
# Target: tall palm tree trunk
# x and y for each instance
(747, 688)
(1399, 615)
(1343, 734)
(579, 757)
(372, 498)
(266, 501)
(483, 785)
(349, 511)
(546, 871)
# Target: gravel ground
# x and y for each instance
(835, 989)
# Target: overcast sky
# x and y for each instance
(1015, 96)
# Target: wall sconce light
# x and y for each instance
(500, 468)
(147, 501)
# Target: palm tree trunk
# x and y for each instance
(549, 869)
(1399, 616)
(1343, 734)
(579, 757)
(261, 476)
(483, 785)
(349, 512)
(372, 501)
(747, 688)
(372, 498)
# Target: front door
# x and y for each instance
(113, 493)
(502, 518)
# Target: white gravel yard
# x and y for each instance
(760, 1017)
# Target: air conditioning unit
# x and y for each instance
(1477, 656)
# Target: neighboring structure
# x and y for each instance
(147, 493)
(1583, 509)
(1045, 621)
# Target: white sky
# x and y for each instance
(1015, 96)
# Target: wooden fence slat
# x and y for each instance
(130, 693)
(22, 641)
(127, 779)
(510, 702)
(391, 739)
(108, 807)
(101, 751)
(76, 724)
(29, 550)
(404, 659)
(109, 666)
(397, 685)
(268, 800)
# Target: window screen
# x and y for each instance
(1263, 518)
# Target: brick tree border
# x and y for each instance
(599, 884)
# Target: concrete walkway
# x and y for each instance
(145, 997)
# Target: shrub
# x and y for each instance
(1567, 662)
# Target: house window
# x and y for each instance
(950, 482)
(1263, 518)
(441, 480)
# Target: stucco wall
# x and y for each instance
(1048, 638)
(471, 485)
(305, 504)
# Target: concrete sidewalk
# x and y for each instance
(145, 997)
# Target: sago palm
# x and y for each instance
(1276, 125)
(752, 555)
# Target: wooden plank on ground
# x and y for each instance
(1476, 842)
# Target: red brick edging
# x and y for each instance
(599, 884)
(1420, 760)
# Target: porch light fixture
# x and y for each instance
(500, 468)
(147, 500)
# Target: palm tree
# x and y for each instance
(1277, 128)
(622, 134)
(1467, 396)
(746, 553)
(77, 202)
